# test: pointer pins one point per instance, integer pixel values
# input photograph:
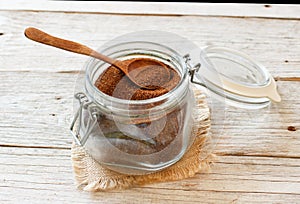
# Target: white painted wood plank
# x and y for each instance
(45, 175)
(36, 110)
(158, 8)
(275, 43)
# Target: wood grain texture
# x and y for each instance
(274, 43)
(41, 112)
(158, 8)
(258, 150)
(45, 175)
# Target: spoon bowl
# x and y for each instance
(149, 73)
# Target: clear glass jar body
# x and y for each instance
(138, 136)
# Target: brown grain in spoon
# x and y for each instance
(149, 74)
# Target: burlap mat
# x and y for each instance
(91, 176)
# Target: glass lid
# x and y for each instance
(234, 75)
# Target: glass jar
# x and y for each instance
(136, 136)
(144, 136)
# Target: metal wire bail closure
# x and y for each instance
(193, 70)
(93, 110)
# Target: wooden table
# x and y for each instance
(258, 150)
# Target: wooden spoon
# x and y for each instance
(146, 73)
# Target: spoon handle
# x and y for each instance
(42, 37)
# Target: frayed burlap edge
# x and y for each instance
(91, 176)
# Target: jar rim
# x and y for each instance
(135, 102)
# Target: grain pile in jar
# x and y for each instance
(156, 134)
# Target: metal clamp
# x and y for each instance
(193, 69)
(94, 113)
(84, 104)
